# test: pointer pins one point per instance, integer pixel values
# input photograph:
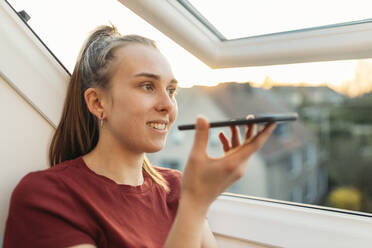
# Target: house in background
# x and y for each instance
(293, 171)
(315, 105)
(295, 96)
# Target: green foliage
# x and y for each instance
(349, 149)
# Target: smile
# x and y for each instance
(159, 125)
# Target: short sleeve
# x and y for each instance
(41, 215)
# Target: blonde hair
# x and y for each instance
(78, 131)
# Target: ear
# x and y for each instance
(94, 98)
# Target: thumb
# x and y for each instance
(201, 135)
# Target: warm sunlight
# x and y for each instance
(66, 23)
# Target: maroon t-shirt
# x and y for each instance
(69, 204)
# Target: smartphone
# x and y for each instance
(260, 118)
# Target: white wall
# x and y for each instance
(32, 91)
(24, 136)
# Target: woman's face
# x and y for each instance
(141, 106)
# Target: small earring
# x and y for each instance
(101, 120)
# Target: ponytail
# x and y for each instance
(78, 131)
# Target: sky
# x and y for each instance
(64, 25)
(263, 17)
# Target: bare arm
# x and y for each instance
(205, 178)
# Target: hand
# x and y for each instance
(250, 132)
(204, 177)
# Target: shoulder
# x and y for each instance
(40, 185)
(174, 181)
(48, 177)
(170, 175)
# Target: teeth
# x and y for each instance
(160, 126)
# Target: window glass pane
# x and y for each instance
(322, 159)
(242, 18)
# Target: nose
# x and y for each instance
(165, 103)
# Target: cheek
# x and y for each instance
(130, 109)
(133, 103)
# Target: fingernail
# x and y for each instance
(199, 124)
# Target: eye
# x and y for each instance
(172, 91)
(148, 86)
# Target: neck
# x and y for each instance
(111, 160)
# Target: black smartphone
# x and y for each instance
(259, 118)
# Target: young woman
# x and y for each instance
(101, 190)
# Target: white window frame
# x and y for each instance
(284, 224)
(318, 44)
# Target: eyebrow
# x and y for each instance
(154, 76)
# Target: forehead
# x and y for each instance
(136, 58)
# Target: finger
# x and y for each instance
(250, 130)
(201, 135)
(246, 150)
(224, 141)
(261, 137)
(235, 136)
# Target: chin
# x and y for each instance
(154, 148)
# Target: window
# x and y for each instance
(295, 163)
(172, 164)
(281, 33)
(176, 137)
(282, 131)
(296, 194)
(213, 140)
(310, 154)
(310, 189)
(268, 17)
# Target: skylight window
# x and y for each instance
(241, 18)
